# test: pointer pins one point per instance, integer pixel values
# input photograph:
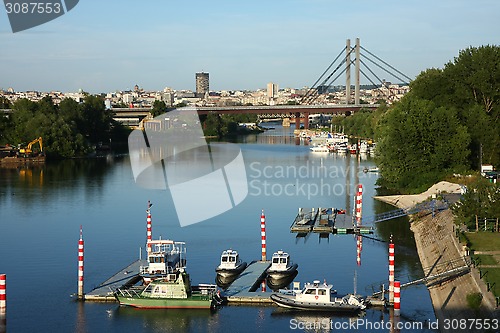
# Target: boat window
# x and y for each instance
(151, 260)
(310, 291)
(276, 260)
(321, 292)
(224, 259)
(156, 290)
(232, 259)
(283, 260)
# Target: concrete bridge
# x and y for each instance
(296, 112)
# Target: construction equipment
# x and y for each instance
(28, 150)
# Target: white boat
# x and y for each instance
(320, 149)
(230, 264)
(282, 271)
(166, 257)
(363, 147)
(318, 296)
(342, 148)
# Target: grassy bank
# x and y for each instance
(488, 261)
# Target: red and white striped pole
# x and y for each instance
(359, 204)
(148, 226)
(3, 294)
(359, 245)
(397, 297)
(263, 234)
(391, 271)
(80, 265)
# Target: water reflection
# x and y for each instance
(171, 320)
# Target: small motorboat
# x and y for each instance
(230, 264)
(281, 272)
(320, 149)
(318, 297)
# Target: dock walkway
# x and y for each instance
(126, 277)
(245, 289)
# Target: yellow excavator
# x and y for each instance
(28, 150)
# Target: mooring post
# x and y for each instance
(149, 233)
(263, 234)
(3, 303)
(397, 297)
(391, 271)
(80, 266)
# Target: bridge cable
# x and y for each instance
(384, 69)
(382, 83)
(314, 97)
(409, 79)
(326, 70)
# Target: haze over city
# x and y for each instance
(109, 46)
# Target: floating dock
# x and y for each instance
(304, 221)
(126, 277)
(246, 287)
(326, 220)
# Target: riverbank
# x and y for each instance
(439, 251)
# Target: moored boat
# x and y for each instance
(320, 149)
(173, 291)
(281, 272)
(318, 297)
(230, 263)
(166, 257)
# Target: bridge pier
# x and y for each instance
(297, 120)
(306, 120)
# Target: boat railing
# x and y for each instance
(127, 292)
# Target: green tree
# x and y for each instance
(159, 108)
(470, 84)
(419, 143)
(482, 199)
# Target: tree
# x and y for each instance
(418, 143)
(159, 108)
(470, 84)
(482, 199)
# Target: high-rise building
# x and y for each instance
(202, 84)
(272, 90)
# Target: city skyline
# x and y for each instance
(101, 47)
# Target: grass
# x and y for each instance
(493, 276)
(487, 241)
(484, 241)
(486, 259)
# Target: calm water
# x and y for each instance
(41, 210)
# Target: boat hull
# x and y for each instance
(225, 273)
(280, 279)
(201, 302)
(288, 302)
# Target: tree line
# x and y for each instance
(447, 123)
(69, 129)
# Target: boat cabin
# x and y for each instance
(315, 292)
(280, 261)
(229, 259)
(166, 257)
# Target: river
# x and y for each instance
(42, 208)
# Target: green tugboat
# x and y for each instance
(173, 291)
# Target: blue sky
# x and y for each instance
(103, 46)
